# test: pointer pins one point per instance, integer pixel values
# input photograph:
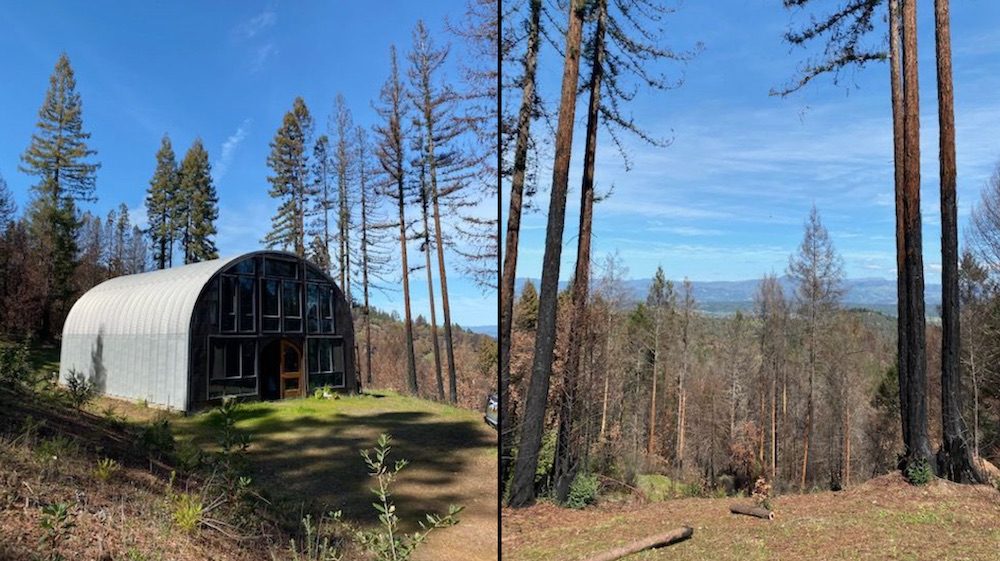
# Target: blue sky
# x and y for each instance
(224, 71)
(728, 199)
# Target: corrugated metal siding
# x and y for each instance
(132, 332)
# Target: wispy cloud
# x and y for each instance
(229, 149)
(261, 56)
(250, 28)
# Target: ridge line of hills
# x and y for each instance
(727, 297)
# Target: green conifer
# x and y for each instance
(290, 183)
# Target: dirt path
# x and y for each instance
(883, 519)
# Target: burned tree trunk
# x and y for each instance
(566, 461)
(659, 540)
(752, 510)
(896, 87)
(513, 234)
(954, 458)
(522, 490)
(918, 444)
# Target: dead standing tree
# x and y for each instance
(954, 458)
(844, 30)
(626, 43)
(391, 153)
(522, 489)
(527, 111)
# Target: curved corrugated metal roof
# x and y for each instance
(154, 303)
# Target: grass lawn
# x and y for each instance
(307, 451)
(885, 518)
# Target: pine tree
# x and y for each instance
(480, 79)
(161, 201)
(8, 208)
(519, 179)
(818, 272)
(374, 257)
(323, 191)
(448, 169)
(58, 155)
(118, 231)
(424, 196)
(522, 489)
(343, 165)
(201, 205)
(391, 154)
(290, 183)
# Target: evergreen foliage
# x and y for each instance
(201, 205)
(161, 205)
(59, 157)
(290, 183)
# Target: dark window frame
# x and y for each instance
(334, 340)
(228, 339)
(279, 296)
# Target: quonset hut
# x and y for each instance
(265, 325)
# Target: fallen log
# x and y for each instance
(659, 540)
(751, 510)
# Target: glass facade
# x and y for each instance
(252, 305)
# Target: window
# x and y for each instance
(228, 298)
(270, 311)
(326, 363)
(314, 275)
(291, 302)
(246, 304)
(326, 310)
(319, 305)
(312, 307)
(232, 367)
(281, 268)
(245, 267)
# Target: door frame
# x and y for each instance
(285, 376)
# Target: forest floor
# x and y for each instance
(884, 518)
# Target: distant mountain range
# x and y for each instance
(490, 330)
(726, 297)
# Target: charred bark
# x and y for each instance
(513, 233)
(522, 490)
(954, 457)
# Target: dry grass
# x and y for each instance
(885, 518)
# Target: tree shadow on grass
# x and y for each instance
(316, 462)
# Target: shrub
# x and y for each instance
(188, 509)
(583, 491)
(156, 439)
(106, 468)
(386, 542)
(324, 392)
(56, 525)
(15, 368)
(762, 493)
(188, 457)
(50, 450)
(919, 472)
(314, 545)
(81, 389)
(233, 443)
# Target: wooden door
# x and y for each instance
(291, 370)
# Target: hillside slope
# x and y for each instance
(885, 518)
